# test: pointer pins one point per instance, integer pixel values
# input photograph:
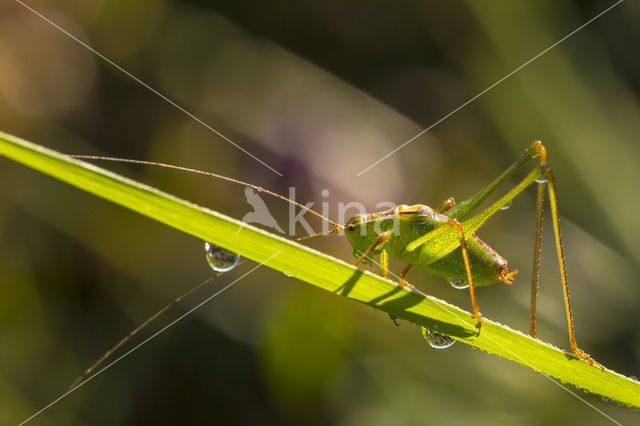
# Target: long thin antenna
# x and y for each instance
(201, 172)
(332, 231)
(141, 326)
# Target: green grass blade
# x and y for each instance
(323, 271)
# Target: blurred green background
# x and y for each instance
(319, 91)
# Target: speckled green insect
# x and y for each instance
(443, 241)
(404, 224)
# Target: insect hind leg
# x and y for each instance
(536, 258)
(465, 208)
(577, 352)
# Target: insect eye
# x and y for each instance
(351, 227)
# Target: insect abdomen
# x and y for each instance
(485, 263)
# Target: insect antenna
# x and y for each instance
(201, 172)
(331, 231)
(85, 376)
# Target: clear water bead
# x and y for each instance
(542, 179)
(457, 283)
(220, 259)
(437, 340)
(506, 206)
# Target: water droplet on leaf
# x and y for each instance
(437, 340)
(506, 206)
(457, 283)
(220, 259)
(542, 179)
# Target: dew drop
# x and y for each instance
(287, 275)
(457, 283)
(220, 259)
(506, 206)
(437, 340)
(542, 179)
(604, 398)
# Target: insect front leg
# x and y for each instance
(384, 271)
(382, 239)
(384, 264)
(403, 274)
